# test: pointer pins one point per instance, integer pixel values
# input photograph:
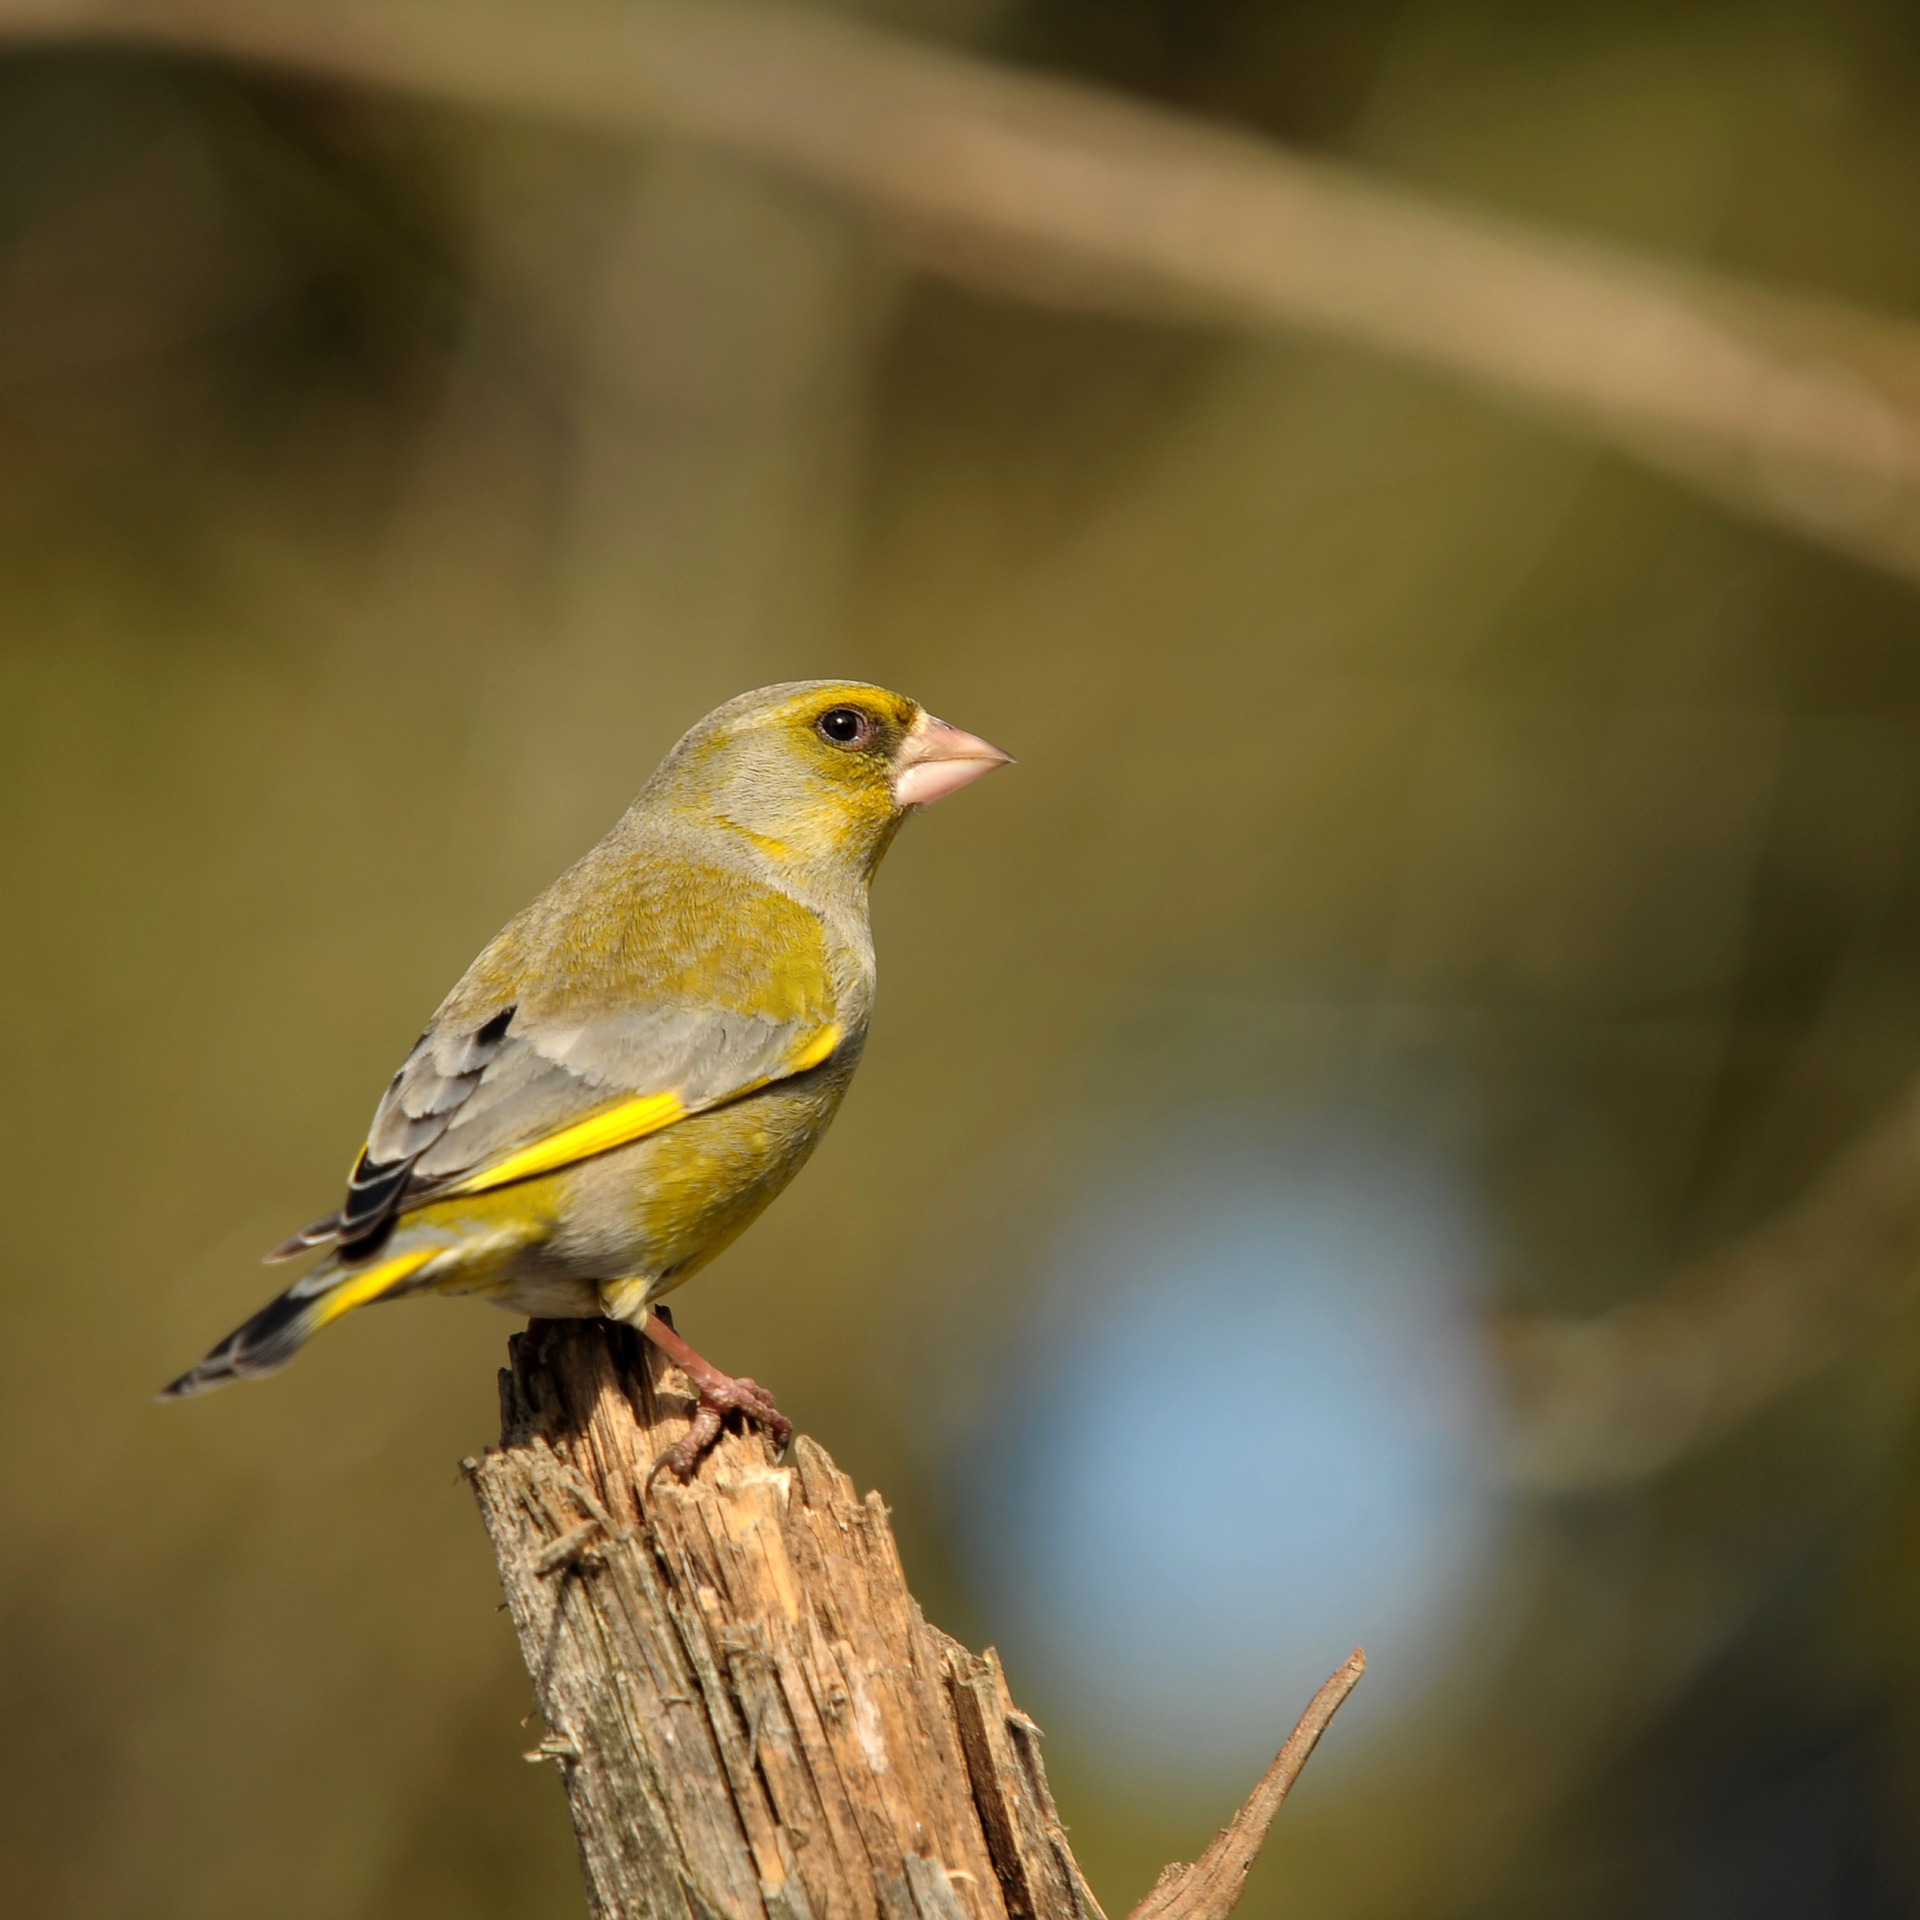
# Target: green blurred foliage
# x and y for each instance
(381, 491)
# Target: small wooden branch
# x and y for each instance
(1211, 1886)
(1618, 1398)
(752, 1718)
(1802, 412)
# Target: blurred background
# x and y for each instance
(1396, 1121)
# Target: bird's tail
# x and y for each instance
(283, 1326)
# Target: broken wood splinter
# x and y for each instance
(761, 1725)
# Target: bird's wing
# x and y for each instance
(538, 1060)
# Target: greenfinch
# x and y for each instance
(641, 1059)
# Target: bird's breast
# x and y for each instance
(672, 1201)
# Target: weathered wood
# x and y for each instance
(1211, 1886)
(753, 1720)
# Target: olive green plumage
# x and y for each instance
(641, 1059)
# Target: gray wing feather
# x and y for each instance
(557, 1075)
(464, 1099)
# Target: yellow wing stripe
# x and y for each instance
(615, 1127)
(816, 1050)
(368, 1286)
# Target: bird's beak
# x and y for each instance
(935, 760)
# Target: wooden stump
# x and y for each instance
(753, 1719)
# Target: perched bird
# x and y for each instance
(638, 1062)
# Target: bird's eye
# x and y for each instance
(845, 727)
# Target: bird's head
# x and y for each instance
(820, 771)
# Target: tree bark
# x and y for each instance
(752, 1718)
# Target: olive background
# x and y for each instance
(383, 488)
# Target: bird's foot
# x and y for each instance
(719, 1395)
(718, 1398)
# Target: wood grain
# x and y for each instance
(752, 1717)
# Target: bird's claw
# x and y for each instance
(719, 1396)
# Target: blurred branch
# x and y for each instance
(1801, 413)
(1209, 1888)
(1612, 1400)
(753, 1719)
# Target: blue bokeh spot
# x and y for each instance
(1248, 1435)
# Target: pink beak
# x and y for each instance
(935, 760)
